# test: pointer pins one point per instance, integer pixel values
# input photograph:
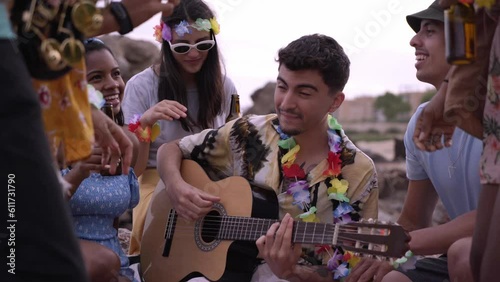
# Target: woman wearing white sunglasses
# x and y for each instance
(186, 93)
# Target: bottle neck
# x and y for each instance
(235, 104)
(235, 108)
(108, 110)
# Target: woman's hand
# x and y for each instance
(113, 141)
(164, 110)
(91, 164)
(82, 170)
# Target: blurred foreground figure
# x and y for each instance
(45, 248)
(450, 175)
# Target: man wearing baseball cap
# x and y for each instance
(450, 175)
(433, 12)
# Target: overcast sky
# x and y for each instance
(374, 34)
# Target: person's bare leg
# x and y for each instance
(489, 261)
(459, 261)
(395, 276)
(43, 227)
(101, 263)
(480, 237)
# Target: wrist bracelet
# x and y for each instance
(144, 134)
(122, 17)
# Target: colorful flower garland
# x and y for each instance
(164, 32)
(144, 134)
(339, 263)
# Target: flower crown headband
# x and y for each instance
(164, 32)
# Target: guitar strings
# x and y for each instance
(253, 221)
(241, 224)
(345, 242)
(241, 233)
(379, 249)
(307, 238)
(326, 237)
(235, 227)
(216, 227)
(238, 228)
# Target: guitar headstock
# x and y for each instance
(374, 238)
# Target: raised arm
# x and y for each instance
(139, 11)
(136, 102)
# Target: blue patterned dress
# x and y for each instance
(95, 205)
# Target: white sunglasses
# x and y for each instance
(183, 48)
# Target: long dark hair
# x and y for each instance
(93, 45)
(208, 80)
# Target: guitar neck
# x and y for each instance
(250, 229)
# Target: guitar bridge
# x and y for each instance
(169, 232)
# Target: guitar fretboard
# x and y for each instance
(379, 239)
(250, 229)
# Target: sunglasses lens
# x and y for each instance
(181, 49)
(205, 46)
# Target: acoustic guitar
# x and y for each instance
(174, 249)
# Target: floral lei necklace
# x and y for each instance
(340, 262)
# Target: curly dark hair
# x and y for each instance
(209, 80)
(318, 52)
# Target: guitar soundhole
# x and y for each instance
(207, 229)
(210, 226)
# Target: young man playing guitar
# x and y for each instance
(301, 154)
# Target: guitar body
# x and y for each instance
(221, 245)
(192, 249)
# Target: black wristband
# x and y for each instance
(122, 18)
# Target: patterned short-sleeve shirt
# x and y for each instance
(248, 147)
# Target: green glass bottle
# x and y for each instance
(460, 33)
